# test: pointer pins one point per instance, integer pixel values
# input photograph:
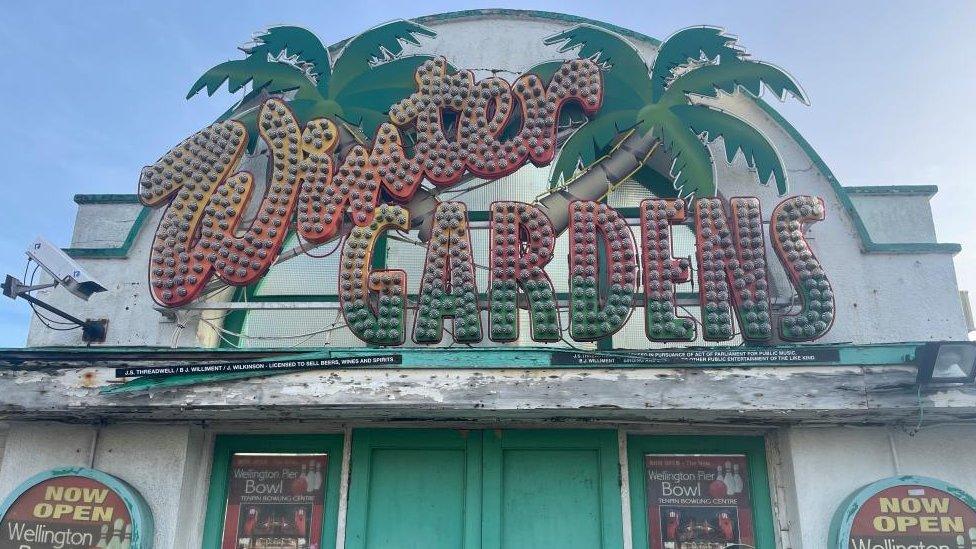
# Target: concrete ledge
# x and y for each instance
(889, 190)
(106, 199)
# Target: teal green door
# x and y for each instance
(512, 489)
(414, 489)
(551, 490)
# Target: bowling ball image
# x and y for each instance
(718, 489)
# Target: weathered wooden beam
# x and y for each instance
(782, 395)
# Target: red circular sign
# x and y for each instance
(913, 515)
(67, 511)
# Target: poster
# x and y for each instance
(911, 515)
(67, 512)
(275, 501)
(698, 501)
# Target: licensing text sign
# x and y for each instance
(699, 356)
(259, 366)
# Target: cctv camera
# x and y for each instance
(64, 269)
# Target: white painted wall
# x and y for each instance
(828, 464)
(167, 464)
(913, 221)
(103, 225)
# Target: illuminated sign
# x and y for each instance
(439, 126)
(75, 507)
(905, 512)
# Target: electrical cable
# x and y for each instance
(45, 320)
(921, 413)
(295, 336)
(301, 245)
(220, 333)
(422, 245)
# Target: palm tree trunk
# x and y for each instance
(599, 178)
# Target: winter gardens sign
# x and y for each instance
(433, 126)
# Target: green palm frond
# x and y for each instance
(546, 70)
(728, 76)
(310, 109)
(588, 143)
(626, 88)
(689, 45)
(626, 77)
(710, 61)
(269, 76)
(659, 184)
(368, 96)
(376, 44)
(691, 168)
(299, 46)
(738, 136)
(236, 107)
(249, 118)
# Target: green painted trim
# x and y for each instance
(106, 199)
(754, 449)
(291, 298)
(868, 245)
(527, 14)
(874, 353)
(603, 441)
(226, 446)
(840, 525)
(533, 14)
(119, 252)
(364, 441)
(520, 358)
(885, 190)
(143, 527)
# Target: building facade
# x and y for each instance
(593, 292)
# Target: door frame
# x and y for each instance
(753, 447)
(225, 446)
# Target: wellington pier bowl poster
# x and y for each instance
(275, 501)
(698, 502)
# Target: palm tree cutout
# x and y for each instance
(645, 109)
(369, 75)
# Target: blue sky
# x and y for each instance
(95, 90)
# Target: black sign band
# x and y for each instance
(693, 357)
(259, 366)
